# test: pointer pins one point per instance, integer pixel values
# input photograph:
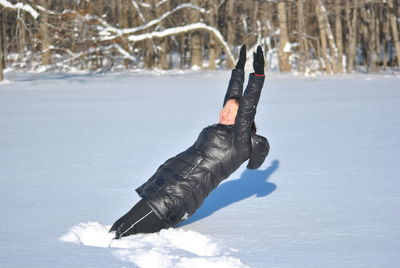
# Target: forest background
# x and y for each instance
(306, 36)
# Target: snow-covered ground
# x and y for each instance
(74, 147)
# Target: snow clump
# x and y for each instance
(167, 248)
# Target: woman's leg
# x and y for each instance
(140, 219)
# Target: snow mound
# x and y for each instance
(89, 234)
(168, 248)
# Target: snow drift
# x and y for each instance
(168, 248)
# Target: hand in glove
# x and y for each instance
(242, 58)
(235, 87)
(258, 62)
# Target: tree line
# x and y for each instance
(332, 36)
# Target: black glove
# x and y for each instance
(242, 58)
(258, 62)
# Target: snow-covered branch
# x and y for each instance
(109, 30)
(187, 28)
(161, 3)
(48, 11)
(20, 6)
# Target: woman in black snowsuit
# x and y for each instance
(182, 183)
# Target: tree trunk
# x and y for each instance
(352, 36)
(1, 63)
(196, 46)
(379, 35)
(45, 35)
(182, 50)
(196, 49)
(2, 43)
(386, 41)
(331, 40)
(283, 52)
(304, 50)
(323, 34)
(164, 43)
(255, 23)
(230, 22)
(339, 35)
(212, 7)
(21, 45)
(1, 53)
(96, 62)
(263, 17)
(364, 35)
(150, 58)
(124, 22)
(395, 32)
(374, 44)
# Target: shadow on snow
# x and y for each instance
(251, 182)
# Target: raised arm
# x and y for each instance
(235, 87)
(248, 103)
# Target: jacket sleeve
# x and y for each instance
(247, 112)
(235, 87)
(259, 151)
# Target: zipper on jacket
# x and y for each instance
(195, 165)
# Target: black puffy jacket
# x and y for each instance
(181, 184)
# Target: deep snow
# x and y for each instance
(74, 147)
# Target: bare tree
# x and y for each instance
(393, 26)
(284, 45)
(45, 35)
(213, 8)
(326, 36)
(107, 35)
(149, 46)
(2, 58)
(322, 33)
(352, 42)
(339, 34)
(230, 21)
(196, 41)
(386, 41)
(164, 43)
(124, 6)
(304, 49)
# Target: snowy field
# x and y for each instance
(73, 147)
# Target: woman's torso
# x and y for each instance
(181, 184)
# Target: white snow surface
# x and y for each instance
(73, 147)
(168, 248)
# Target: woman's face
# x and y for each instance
(227, 115)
